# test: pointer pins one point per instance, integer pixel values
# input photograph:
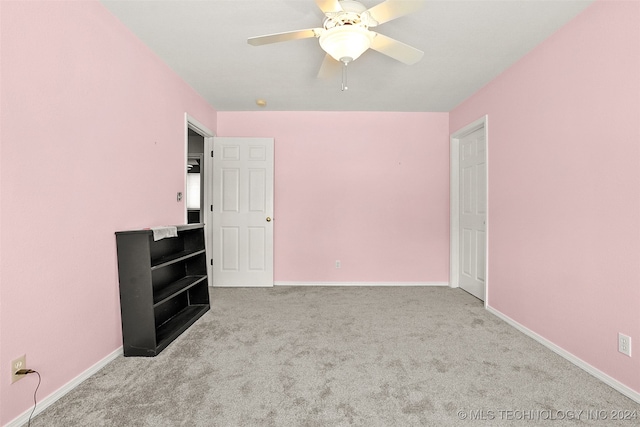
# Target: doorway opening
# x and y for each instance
(195, 177)
(198, 179)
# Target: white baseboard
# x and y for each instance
(241, 286)
(360, 284)
(58, 394)
(611, 382)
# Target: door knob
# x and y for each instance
(268, 219)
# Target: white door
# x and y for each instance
(473, 213)
(242, 212)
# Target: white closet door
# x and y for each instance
(473, 213)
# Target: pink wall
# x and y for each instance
(564, 180)
(92, 142)
(368, 189)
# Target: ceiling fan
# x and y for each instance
(345, 33)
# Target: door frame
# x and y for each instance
(192, 123)
(454, 198)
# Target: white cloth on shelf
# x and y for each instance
(164, 231)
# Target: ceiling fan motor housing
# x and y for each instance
(352, 13)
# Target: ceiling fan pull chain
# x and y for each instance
(344, 75)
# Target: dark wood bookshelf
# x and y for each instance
(163, 286)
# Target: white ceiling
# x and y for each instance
(466, 45)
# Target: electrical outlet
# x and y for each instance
(16, 365)
(338, 265)
(624, 344)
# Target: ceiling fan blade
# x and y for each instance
(329, 5)
(392, 9)
(283, 37)
(395, 49)
(329, 68)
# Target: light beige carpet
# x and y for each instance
(342, 356)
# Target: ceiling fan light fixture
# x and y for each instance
(348, 41)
